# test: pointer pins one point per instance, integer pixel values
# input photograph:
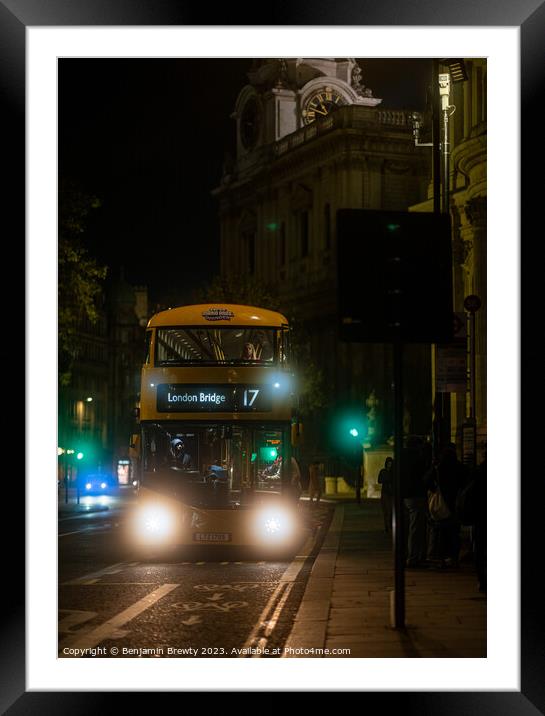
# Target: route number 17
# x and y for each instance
(249, 397)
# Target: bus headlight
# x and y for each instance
(155, 521)
(275, 525)
(88, 486)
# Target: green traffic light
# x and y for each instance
(354, 432)
(79, 456)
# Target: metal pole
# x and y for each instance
(446, 166)
(436, 152)
(436, 173)
(397, 522)
(472, 408)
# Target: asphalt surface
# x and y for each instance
(203, 604)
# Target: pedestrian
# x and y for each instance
(414, 492)
(386, 479)
(479, 524)
(314, 485)
(445, 480)
(296, 485)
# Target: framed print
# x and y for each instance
(77, 80)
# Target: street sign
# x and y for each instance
(394, 276)
(451, 360)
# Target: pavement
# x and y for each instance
(90, 503)
(348, 600)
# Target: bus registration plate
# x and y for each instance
(212, 536)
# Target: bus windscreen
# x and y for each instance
(219, 346)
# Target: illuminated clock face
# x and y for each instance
(249, 127)
(321, 103)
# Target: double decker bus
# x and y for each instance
(216, 405)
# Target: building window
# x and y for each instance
(327, 225)
(303, 219)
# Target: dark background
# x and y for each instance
(149, 137)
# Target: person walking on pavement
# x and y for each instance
(385, 478)
(414, 493)
(449, 477)
(314, 485)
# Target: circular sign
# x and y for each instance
(472, 303)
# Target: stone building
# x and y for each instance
(96, 408)
(467, 206)
(312, 139)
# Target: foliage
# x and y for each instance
(80, 276)
(246, 290)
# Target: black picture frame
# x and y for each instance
(529, 16)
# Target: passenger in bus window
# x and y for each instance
(248, 352)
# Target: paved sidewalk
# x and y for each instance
(93, 503)
(347, 601)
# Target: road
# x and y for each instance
(112, 605)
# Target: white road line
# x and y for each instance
(97, 528)
(110, 627)
(95, 576)
(285, 583)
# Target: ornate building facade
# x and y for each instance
(312, 139)
(467, 205)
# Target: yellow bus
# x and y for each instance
(216, 407)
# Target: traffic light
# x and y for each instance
(347, 429)
(394, 276)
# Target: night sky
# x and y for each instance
(149, 136)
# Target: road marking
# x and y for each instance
(73, 618)
(98, 528)
(214, 606)
(111, 627)
(266, 624)
(271, 623)
(238, 587)
(193, 619)
(95, 576)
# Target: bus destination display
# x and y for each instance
(190, 398)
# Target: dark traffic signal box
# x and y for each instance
(394, 276)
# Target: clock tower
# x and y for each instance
(311, 139)
(284, 95)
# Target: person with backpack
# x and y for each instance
(444, 481)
